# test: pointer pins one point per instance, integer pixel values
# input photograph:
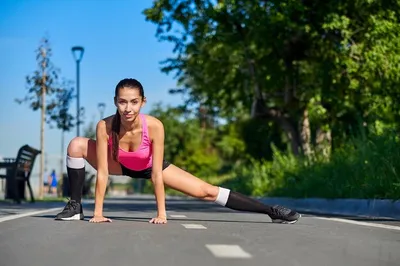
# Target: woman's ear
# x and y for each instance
(115, 101)
(144, 101)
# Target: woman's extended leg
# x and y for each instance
(185, 182)
(79, 150)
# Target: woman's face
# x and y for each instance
(129, 102)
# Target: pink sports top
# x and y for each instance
(141, 158)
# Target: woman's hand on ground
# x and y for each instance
(158, 220)
(100, 219)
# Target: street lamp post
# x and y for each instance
(101, 107)
(77, 52)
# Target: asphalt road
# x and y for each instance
(197, 233)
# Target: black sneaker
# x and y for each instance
(284, 215)
(72, 211)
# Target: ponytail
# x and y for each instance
(116, 124)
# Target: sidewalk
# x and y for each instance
(8, 208)
(354, 207)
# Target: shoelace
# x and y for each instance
(280, 211)
(70, 205)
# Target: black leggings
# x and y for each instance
(146, 173)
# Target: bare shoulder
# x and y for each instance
(153, 122)
(155, 126)
(104, 126)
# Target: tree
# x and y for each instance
(46, 93)
(315, 68)
(60, 116)
(90, 130)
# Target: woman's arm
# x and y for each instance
(102, 171)
(156, 174)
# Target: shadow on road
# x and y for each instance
(7, 208)
(146, 219)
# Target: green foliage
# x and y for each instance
(258, 135)
(187, 144)
(59, 112)
(363, 168)
(283, 55)
(304, 75)
(231, 145)
(90, 130)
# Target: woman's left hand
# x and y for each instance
(158, 220)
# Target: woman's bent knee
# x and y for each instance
(77, 147)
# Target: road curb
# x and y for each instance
(357, 207)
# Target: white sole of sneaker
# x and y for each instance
(76, 217)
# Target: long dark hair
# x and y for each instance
(116, 122)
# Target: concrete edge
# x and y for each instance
(381, 208)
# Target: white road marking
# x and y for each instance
(384, 226)
(178, 216)
(194, 226)
(228, 251)
(16, 216)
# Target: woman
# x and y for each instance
(132, 144)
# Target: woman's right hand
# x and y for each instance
(100, 219)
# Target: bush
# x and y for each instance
(362, 168)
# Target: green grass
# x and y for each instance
(362, 168)
(52, 199)
(121, 186)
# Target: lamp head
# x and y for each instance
(77, 52)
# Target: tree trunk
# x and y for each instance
(323, 142)
(42, 122)
(284, 121)
(291, 133)
(305, 133)
(292, 128)
(258, 108)
(258, 100)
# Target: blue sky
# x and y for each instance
(118, 43)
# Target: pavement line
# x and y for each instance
(228, 251)
(16, 216)
(194, 226)
(384, 226)
(178, 216)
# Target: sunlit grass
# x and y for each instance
(363, 168)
